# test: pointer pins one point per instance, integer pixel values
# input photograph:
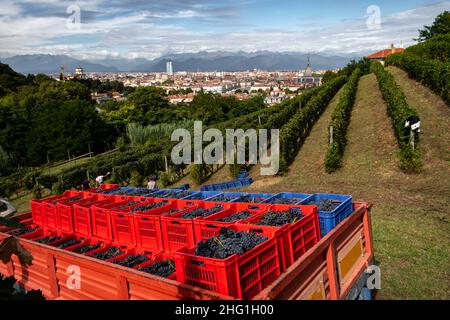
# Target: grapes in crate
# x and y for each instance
(48, 239)
(327, 205)
(69, 243)
(235, 216)
(23, 231)
(73, 199)
(199, 212)
(224, 199)
(282, 200)
(248, 199)
(167, 194)
(129, 204)
(163, 268)
(182, 194)
(132, 261)
(280, 218)
(140, 192)
(147, 207)
(228, 242)
(86, 248)
(112, 252)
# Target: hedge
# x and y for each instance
(295, 131)
(399, 111)
(435, 74)
(340, 120)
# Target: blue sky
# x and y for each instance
(150, 28)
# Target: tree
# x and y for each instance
(328, 76)
(440, 26)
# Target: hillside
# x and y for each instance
(411, 217)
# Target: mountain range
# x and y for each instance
(200, 61)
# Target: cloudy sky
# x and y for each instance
(150, 28)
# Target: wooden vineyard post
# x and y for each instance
(167, 164)
(413, 139)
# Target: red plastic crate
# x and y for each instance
(178, 232)
(101, 218)
(299, 237)
(49, 208)
(123, 224)
(238, 276)
(148, 225)
(31, 234)
(159, 257)
(36, 211)
(209, 226)
(65, 213)
(82, 216)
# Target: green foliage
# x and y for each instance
(434, 74)
(328, 76)
(440, 26)
(8, 291)
(200, 173)
(139, 135)
(437, 48)
(295, 131)
(399, 111)
(5, 163)
(340, 120)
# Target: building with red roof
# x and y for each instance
(383, 54)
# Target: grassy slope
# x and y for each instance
(411, 216)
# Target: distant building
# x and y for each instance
(79, 73)
(169, 68)
(272, 100)
(308, 80)
(383, 54)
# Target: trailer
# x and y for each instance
(333, 269)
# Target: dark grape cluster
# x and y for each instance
(285, 200)
(249, 199)
(147, 207)
(197, 197)
(228, 242)
(199, 212)
(73, 199)
(140, 192)
(163, 268)
(224, 198)
(280, 218)
(325, 205)
(129, 204)
(235, 216)
(69, 243)
(122, 192)
(86, 248)
(167, 194)
(132, 261)
(182, 194)
(48, 239)
(23, 231)
(112, 252)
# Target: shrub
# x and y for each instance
(340, 120)
(399, 111)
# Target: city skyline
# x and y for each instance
(138, 29)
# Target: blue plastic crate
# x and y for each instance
(286, 196)
(330, 219)
(202, 195)
(165, 193)
(242, 175)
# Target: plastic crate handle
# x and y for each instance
(256, 230)
(212, 226)
(175, 222)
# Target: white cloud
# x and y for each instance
(143, 33)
